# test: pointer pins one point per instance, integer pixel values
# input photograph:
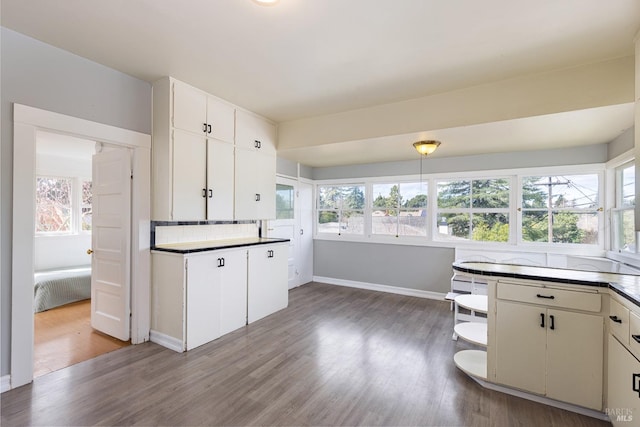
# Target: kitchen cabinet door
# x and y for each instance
(574, 364)
(267, 280)
(255, 185)
(189, 110)
(220, 176)
(255, 133)
(189, 176)
(233, 286)
(520, 346)
(220, 120)
(623, 397)
(203, 300)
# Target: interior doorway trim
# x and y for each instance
(27, 121)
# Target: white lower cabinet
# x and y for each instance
(548, 351)
(201, 296)
(268, 289)
(198, 297)
(623, 394)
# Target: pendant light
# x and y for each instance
(426, 147)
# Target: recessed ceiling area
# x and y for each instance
(306, 58)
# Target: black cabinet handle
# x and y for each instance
(636, 337)
(210, 193)
(257, 144)
(204, 129)
(269, 254)
(615, 319)
(542, 320)
(257, 197)
(209, 126)
(545, 296)
(552, 318)
(220, 262)
(204, 192)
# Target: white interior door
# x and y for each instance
(304, 255)
(284, 226)
(110, 241)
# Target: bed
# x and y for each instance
(59, 287)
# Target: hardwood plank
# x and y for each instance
(63, 336)
(335, 356)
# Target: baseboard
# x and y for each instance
(5, 383)
(166, 341)
(381, 288)
(544, 400)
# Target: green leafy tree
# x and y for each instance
(565, 228)
(498, 233)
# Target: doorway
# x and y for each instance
(28, 121)
(294, 221)
(63, 332)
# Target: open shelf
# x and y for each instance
(473, 332)
(473, 302)
(472, 362)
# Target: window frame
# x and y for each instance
(75, 209)
(369, 202)
(515, 218)
(619, 208)
(599, 211)
(340, 209)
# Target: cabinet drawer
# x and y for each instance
(634, 331)
(577, 300)
(619, 321)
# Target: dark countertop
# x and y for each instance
(212, 245)
(626, 285)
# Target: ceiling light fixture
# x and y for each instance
(426, 147)
(266, 2)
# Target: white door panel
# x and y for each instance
(110, 241)
(304, 259)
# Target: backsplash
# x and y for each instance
(163, 232)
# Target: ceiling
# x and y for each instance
(304, 58)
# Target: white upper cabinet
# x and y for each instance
(255, 133)
(197, 112)
(196, 145)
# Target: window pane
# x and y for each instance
(412, 222)
(535, 226)
(386, 198)
(328, 222)
(384, 224)
(53, 205)
(575, 227)
(628, 186)
(454, 194)
(352, 222)
(563, 191)
(329, 197)
(86, 206)
(414, 194)
(491, 227)
(623, 230)
(353, 197)
(453, 226)
(490, 193)
(284, 201)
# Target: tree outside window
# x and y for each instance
(341, 209)
(560, 209)
(475, 209)
(399, 209)
(53, 205)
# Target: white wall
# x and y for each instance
(42, 76)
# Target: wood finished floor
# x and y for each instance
(63, 336)
(335, 356)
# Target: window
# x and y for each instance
(399, 209)
(284, 201)
(473, 209)
(623, 215)
(341, 209)
(63, 205)
(560, 209)
(86, 206)
(53, 204)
